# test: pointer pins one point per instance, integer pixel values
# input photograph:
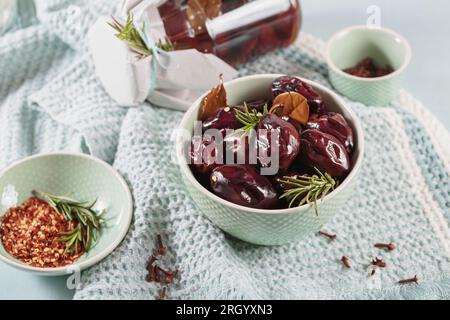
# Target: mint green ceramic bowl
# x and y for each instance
(268, 227)
(349, 46)
(81, 177)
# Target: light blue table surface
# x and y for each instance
(426, 24)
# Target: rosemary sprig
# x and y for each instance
(127, 33)
(88, 222)
(249, 119)
(310, 188)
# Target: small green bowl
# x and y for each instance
(79, 176)
(349, 46)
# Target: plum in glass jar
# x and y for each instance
(334, 124)
(243, 185)
(288, 142)
(324, 152)
(289, 83)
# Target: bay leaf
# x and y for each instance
(294, 105)
(214, 100)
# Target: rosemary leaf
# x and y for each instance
(309, 189)
(249, 119)
(127, 33)
(88, 222)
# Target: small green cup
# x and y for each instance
(349, 46)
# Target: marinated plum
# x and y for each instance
(297, 125)
(285, 84)
(243, 185)
(334, 124)
(237, 146)
(324, 152)
(203, 155)
(288, 143)
(259, 104)
(224, 118)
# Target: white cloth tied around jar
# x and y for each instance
(7, 13)
(172, 79)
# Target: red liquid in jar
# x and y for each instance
(243, 29)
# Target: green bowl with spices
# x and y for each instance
(76, 176)
(349, 46)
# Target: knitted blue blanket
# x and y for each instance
(51, 100)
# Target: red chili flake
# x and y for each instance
(388, 246)
(32, 232)
(330, 237)
(410, 280)
(346, 262)
(377, 262)
(373, 272)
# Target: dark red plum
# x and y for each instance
(238, 144)
(224, 118)
(288, 143)
(243, 185)
(296, 124)
(289, 83)
(258, 105)
(325, 152)
(202, 161)
(334, 124)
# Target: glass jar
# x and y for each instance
(233, 30)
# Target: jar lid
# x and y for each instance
(247, 14)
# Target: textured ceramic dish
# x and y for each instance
(268, 227)
(349, 46)
(79, 176)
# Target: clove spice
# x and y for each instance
(161, 247)
(158, 274)
(410, 280)
(330, 237)
(163, 294)
(388, 246)
(346, 262)
(155, 272)
(377, 262)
